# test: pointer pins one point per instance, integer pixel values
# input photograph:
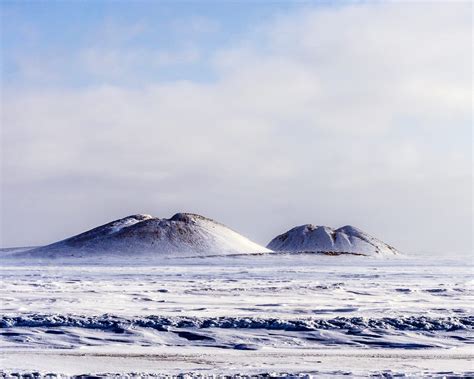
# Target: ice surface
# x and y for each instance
(249, 314)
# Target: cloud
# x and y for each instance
(354, 114)
(116, 63)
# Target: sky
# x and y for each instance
(261, 115)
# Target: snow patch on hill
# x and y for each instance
(182, 233)
(346, 239)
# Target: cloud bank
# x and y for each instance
(358, 115)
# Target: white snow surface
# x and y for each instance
(143, 296)
(347, 239)
(328, 316)
(142, 234)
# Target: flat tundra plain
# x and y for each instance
(274, 315)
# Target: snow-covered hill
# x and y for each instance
(182, 233)
(347, 239)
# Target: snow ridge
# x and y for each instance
(163, 323)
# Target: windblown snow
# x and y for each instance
(243, 315)
(182, 233)
(347, 239)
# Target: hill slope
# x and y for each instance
(347, 239)
(182, 233)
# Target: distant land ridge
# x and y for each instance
(198, 235)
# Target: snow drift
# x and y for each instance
(182, 233)
(164, 323)
(323, 239)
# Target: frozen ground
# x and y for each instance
(330, 316)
